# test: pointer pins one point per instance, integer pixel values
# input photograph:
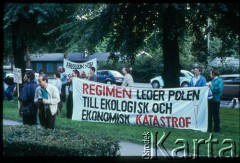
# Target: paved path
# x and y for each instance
(10, 122)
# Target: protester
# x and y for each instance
(47, 99)
(92, 75)
(28, 109)
(198, 80)
(58, 83)
(128, 79)
(63, 78)
(9, 80)
(75, 74)
(216, 86)
(83, 75)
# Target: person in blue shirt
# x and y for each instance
(216, 86)
(198, 80)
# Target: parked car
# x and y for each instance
(110, 77)
(231, 86)
(184, 76)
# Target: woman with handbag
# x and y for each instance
(28, 109)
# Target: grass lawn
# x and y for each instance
(229, 139)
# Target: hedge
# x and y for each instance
(27, 140)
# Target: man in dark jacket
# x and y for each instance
(28, 109)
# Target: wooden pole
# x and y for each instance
(18, 96)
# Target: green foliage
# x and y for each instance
(104, 65)
(126, 28)
(146, 67)
(34, 141)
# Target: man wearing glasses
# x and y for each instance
(47, 98)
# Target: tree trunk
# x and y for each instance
(170, 50)
(19, 47)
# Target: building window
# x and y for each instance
(39, 66)
(49, 68)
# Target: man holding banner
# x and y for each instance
(92, 75)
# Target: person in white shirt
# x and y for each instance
(47, 98)
(128, 79)
(58, 83)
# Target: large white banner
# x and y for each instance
(69, 66)
(182, 108)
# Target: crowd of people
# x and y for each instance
(46, 100)
(40, 99)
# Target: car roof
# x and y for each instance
(113, 71)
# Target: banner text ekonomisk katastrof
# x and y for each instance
(183, 108)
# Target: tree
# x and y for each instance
(24, 28)
(127, 26)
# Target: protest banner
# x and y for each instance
(69, 66)
(17, 75)
(182, 108)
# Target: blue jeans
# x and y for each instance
(9, 92)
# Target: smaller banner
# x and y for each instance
(17, 75)
(85, 66)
